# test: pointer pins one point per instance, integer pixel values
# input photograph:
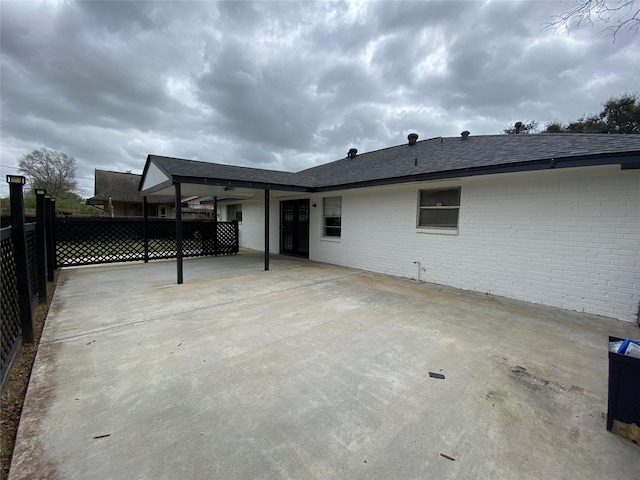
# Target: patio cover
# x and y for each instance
(174, 176)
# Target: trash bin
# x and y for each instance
(623, 411)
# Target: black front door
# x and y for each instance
(294, 228)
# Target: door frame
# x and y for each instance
(297, 225)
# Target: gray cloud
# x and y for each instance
(287, 85)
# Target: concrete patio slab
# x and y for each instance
(311, 371)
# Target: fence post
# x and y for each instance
(53, 233)
(48, 225)
(16, 183)
(41, 253)
(200, 229)
(236, 234)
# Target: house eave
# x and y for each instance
(227, 182)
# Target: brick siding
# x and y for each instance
(565, 238)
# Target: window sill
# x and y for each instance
(330, 239)
(437, 231)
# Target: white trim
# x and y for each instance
(154, 177)
(437, 231)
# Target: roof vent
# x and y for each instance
(413, 138)
(352, 153)
(518, 126)
(465, 134)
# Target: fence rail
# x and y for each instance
(86, 241)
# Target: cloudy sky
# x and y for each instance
(288, 85)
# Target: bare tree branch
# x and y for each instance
(618, 15)
(54, 171)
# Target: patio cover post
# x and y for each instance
(266, 230)
(179, 232)
(145, 229)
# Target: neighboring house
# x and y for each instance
(552, 219)
(198, 208)
(116, 193)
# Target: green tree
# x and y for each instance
(531, 126)
(52, 170)
(619, 115)
(622, 115)
(554, 127)
(591, 124)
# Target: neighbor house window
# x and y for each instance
(332, 216)
(162, 212)
(234, 212)
(439, 208)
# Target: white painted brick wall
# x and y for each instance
(251, 230)
(564, 238)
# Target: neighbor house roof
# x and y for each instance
(119, 186)
(435, 158)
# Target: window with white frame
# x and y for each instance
(439, 208)
(234, 212)
(332, 216)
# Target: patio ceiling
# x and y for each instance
(224, 193)
(200, 190)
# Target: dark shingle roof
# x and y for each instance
(193, 168)
(441, 156)
(120, 186)
(438, 155)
